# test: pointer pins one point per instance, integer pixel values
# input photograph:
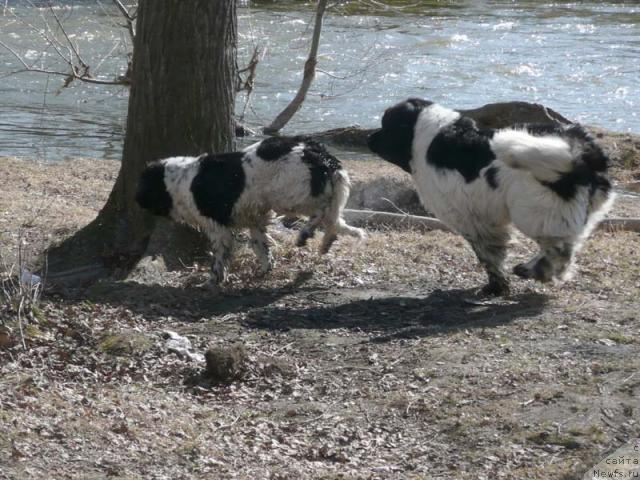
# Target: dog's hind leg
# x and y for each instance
(309, 228)
(553, 262)
(491, 253)
(260, 244)
(345, 228)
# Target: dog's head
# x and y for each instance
(394, 141)
(152, 191)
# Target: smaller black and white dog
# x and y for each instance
(548, 180)
(219, 193)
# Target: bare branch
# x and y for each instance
(248, 83)
(97, 67)
(50, 40)
(15, 54)
(73, 75)
(309, 74)
(78, 68)
(73, 47)
(130, 18)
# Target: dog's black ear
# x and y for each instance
(152, 191)
(405, 113)
(394, 142)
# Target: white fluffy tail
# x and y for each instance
(545, 157)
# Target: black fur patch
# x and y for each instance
(568, 183)
(592, 154)
(490, 175)
(321, 165)
(461, 146)
(152, 191)
(274, 148)
(394, 141)
(581, 175)
(218, 184)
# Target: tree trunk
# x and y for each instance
(181, 103)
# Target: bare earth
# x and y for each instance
(376, 361)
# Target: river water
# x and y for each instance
(580, 58)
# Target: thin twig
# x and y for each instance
(247, 85)
(20, 306)
(228, 425)
(323, 414)
(395, 206)
(76, 72)
(73, 47)
(128, 17)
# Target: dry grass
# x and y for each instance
(376, 361)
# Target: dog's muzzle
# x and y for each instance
(373, 141)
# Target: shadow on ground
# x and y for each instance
(384, 313)
(203, 301)
(390, 317)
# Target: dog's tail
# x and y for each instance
(546, 157)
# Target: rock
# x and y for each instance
(180, 345)
(126, 343)
(504, 114)
(224, 365)
(385, 194)
(6, 338)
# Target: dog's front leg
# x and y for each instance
(260, 244)
(222, 248)
(491, 255)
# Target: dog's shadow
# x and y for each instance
(391, 317)
(161, 300)
(376, 312)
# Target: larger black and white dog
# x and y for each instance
(548, 180)
(220, 193)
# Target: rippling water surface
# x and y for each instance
(580, 58)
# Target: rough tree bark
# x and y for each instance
(181, 103)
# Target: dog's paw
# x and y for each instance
(360, 233)
(542, 271)
(522, 271)
(303, 236)
(327, 241)
(495, 289)
(267, 264)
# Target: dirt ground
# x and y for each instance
(377, 361)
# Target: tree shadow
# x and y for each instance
(392, 317)
(178, 300)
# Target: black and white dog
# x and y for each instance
(220, 193)
(548, 180)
